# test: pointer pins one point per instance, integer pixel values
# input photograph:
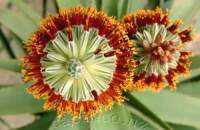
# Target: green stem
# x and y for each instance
(6, 44)
(136, 107)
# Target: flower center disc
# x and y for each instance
(75, 68)
(156, 48)
(81, 68)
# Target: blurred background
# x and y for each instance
(15, 13)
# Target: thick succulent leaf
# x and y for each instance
(11, 65)
(134, 5)
(141, 124)
(197, 22)
(66, 123)
(190, 10)
(166, 4)
(98, 4)
(193, 74)
(43, 123)
(17, 23)
(122, 8)
(172, 107)
(195, 62)
(72, 3)
(5, 123)
(183, 127)
(191, 88)
(27, 11)
(119, 118)
(152, 4)
(126, 6)
(194, 69)
(67, 3)
(16, 100)
(4, 40)
(17, 45)
(110, 7)
(141, 110)
(88, 3)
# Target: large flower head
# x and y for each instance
(79, 61)
(159, 46)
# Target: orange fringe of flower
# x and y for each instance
(89, 18)
(141, 18)
(157, 82)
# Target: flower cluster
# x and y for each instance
(81, 60)
(160, 49)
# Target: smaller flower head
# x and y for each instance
(159, 48)
(80, 61)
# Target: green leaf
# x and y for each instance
(172, 107)
(110, 7)
(27, 11)
(98, 4)
(88, 3)
(44, 7)
(190, 10)
(197, 23)
(17, 23)
(11, 65)
(2, 121)
(193, 74)
(17, 44)
(141, 110)
(152, 4)
(6, 44)
(166, 4)
(182, 127)
(134, 5)
(122, 8)
(43, 123)
(129, 6)
(16, 100)
(119, 118)
(191, 88)
(140, 123)
(66, 123)
(195, 62)
(72, 3)
(67, 3)
(194, 69)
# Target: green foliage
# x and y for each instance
(143, 110)
(21, 26)
(173, 107)
(43, 123)
(27, 10)
(15, 100)
(11, 65)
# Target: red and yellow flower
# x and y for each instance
(80, 61)
(159, 46)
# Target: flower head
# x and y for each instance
(79, 61)
(159, 48)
